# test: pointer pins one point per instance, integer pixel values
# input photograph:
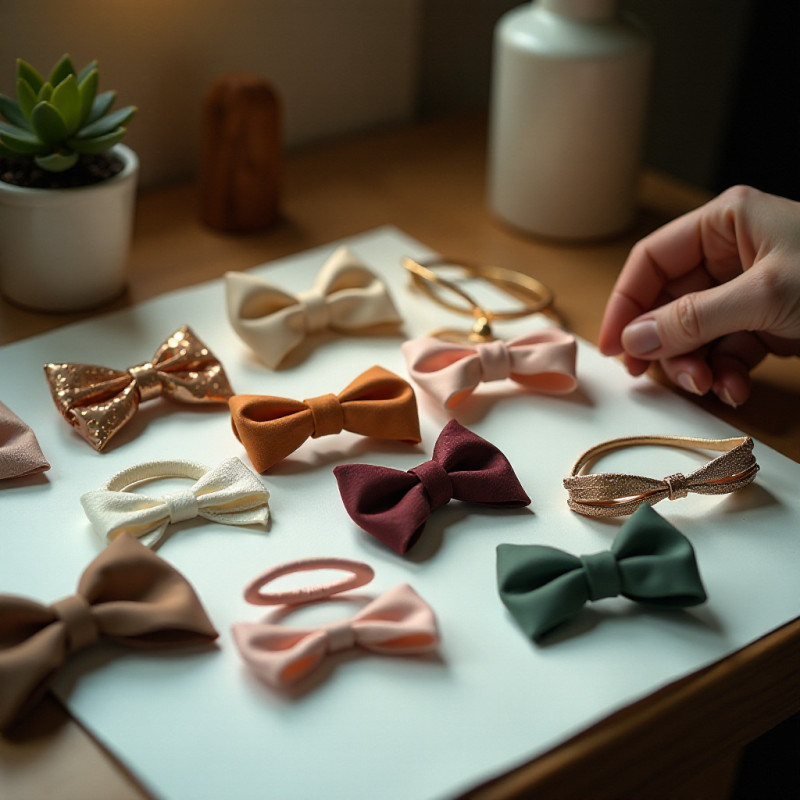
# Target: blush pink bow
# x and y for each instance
(20, 454)
(398, 622)
(543, 361)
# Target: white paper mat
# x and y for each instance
(200, 726)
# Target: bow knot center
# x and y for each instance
(147, 380)
(326, 415)
(436, 483)
(339, 636)
(495, 360)
(80, 627)
(677, 486)
(317, 316)
(181, 506)
(602, 575)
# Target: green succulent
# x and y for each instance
(58, 119)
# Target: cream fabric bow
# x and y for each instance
(346, 296)
(229, 493)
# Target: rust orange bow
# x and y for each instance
(127, 595)
(377, 403)
(98, 401)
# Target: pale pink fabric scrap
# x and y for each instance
(20, 454)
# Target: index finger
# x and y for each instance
(668, 253)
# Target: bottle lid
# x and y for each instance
(588, 10)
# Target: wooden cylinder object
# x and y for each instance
(240, 156)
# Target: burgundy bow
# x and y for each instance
(394, 506)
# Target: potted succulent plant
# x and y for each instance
(67, 190)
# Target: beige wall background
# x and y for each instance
(347, 65)
(339, 65)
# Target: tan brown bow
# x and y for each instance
(127, 595)
(611, 494)
(98, 401)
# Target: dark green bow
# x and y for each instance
(650, 561)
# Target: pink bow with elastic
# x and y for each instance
(543, 361)
(398, 622)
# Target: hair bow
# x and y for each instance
(228, 493)
(650, 561)
(127, 595)
(450, 372)
(394, 506)
(398, 622)
(98, 401)
(613, 494)
(346, 296)
(377, 403)
(20, 454)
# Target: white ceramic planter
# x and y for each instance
(66, 249)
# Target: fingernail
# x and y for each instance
(641, 337)
(686, 381)
(725, 396)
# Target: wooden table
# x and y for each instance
(428, 180)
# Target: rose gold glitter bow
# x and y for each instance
(99, 401)
(611, 494)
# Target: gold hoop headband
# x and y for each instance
(528, 290)
(612, 494)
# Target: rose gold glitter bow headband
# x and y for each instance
(613, 494)
(98, 401)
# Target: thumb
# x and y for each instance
(695, 319)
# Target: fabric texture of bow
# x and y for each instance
(398, 622)
(345, 297)
(377, 403)
(99, 401)
(543, 361)
(20, 454)
(228, 493)
(394, 506)
(126, 595)
(650, 562)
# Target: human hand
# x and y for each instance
(710, 294)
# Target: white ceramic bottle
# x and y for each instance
(569, 100)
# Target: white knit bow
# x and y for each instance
(346, 296)
(229, 493)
